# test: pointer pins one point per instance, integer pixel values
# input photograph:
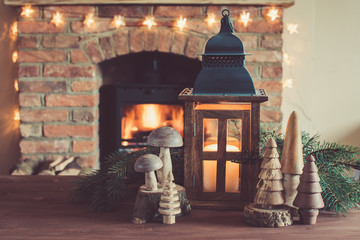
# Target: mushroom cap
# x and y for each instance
(148, 163)
(165, 137)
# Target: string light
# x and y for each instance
(245, 18)
(288, 83)
(292, 28)
(210, 19)
(16, 85)
(57, 19)
(16, 115)
(149, 22)
(118, 21)
(287, 59)
(181, 22)
(14, 56)
(89, 20)
(13, 30)
(273, 13)
(27, 11)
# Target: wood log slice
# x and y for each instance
(147, 204)
(267, 217)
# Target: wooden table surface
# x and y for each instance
(37, 207)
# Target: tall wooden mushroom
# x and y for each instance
(165, 138)
(309, 199)
(169, 202)
(268, 208)
(148, 163)
(292, 161)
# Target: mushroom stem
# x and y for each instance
(167, 165)
(150, 181)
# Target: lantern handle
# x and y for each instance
(225, 10)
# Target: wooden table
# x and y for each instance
(37, 207)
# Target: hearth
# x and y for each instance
(139, 94)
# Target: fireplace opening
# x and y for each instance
(139, 94)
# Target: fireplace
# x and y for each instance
(76, 83)
(139, 94)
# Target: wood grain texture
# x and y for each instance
(37, 207)
(179, 2)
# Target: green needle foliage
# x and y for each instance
(104, 188)
(340, 191)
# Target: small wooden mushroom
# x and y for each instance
(309, 199)
(149, 163)
(292, 159)
(165, 138)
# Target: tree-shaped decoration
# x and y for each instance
(309, 199)
(268, 208)
(169, 202)
(292, 161)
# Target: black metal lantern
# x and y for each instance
(222, 124)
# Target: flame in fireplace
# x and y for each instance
(141, 119)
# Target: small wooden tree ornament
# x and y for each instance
(292, 161)
(309, 199)
(169, 202)
(268, 208)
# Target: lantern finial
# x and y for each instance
(226, 25)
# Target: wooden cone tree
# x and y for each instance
(270, 187)
(169, 202)
(292, 159)
(309, 199)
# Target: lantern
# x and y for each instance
(222, 123)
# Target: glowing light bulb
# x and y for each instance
(181, 22)
(89, 20)
(13, 30)
(57, 19)
(16, 115)
(149, 22)
(16, 85)
(273, 13)
(27, 11)
(287, 59)
(288, 83)
(245, 18)
(210, 19)
(14, 56)
(292, 28)
(118, 21)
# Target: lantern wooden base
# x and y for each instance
(147, 204)
(267, 217)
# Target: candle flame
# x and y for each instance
(292, 28)
(210, 19)
(181, 22)
(27, 11)
(57, 19)
(149, 22)
(89, 20)
(288, 83)
(245, 18)
(273, 13)
(118, 21)
(14, 56)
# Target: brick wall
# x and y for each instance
(59, 78)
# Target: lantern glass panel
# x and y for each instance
(232, 177)
(233, 140)
(210, 134)
(209, 175)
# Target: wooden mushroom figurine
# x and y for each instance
(169, 202)
(165, 138)
(292, 161)
(149, 163)
(309, 199)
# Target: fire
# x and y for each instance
(143, 118)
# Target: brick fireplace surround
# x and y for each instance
(58, 71)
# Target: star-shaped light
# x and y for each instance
(286, 58)
(181, 22)
(292, 28)
(273, 13)
(89, 20)
(57, 19)
(288, 83)
(210, 19)
(27, 11)
(149, 22)
(16, 115)
(14, 56)
(118, 21)
(13, 30)
(245, 18)
(16, 85)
